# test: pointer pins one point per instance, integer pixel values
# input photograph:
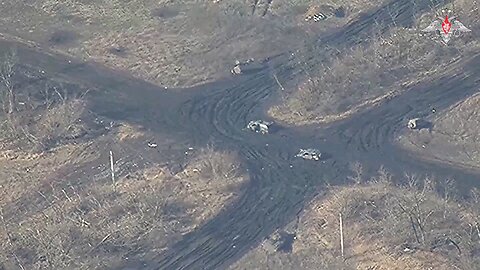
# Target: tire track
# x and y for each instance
(275, 193)
(372, 130)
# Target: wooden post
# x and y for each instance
(278, 82)
(112, 169)
(341, 234)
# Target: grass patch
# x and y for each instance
(372, 71)
(416, 225)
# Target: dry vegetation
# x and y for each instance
(417, 225)
(59, 208)
(92, 225)
(454, 135)
(170, 43)
(371, 72)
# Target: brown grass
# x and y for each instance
(369, 74)
(91, 225)
(59, 208)
(174, 44)
(377, 230)
(129, 132)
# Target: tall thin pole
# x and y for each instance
(112, 170)
(341, 234)
(278, 82)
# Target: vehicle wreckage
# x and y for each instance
(319, 13)
(259, 126)
(417, 123)
(241, 67)
(309, 154)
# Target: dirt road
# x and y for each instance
(280, 184)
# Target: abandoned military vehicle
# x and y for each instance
(309, 154)
(259, 126)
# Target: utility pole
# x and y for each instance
(112, 169)
(341, 234)
(278, 82)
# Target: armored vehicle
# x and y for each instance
(259, 126)
(245, 66)
(417, 123)
(310, 154)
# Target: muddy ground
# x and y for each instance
(279, 185)
(376, 228)
(379, 65)
(60, 208)
(171, 43)
(450, 135)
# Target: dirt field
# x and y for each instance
(385, 227)
(56, 185)
(170, 43)
(59, 208)
(373, 71)
(453, 137)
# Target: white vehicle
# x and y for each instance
(309, 154)
(152, 145)
(259, 126)
(415, 123)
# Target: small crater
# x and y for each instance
(63, 38)
(164, 12)
(340, 12)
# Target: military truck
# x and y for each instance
(309, 154)
(241, 67)
(259, 126)
(417, 123)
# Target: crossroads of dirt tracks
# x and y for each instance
(280, 185)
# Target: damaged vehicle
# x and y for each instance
(417, 123)
(319, 13)
(259, 126)
(242, 67)
(309, 154)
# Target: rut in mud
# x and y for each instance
(280, 184)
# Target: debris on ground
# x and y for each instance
(238, 68)
(152, 144)
(322, 12)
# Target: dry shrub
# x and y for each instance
(220, 165)
(129, 132)
(91, 225)
(462, 120)
(416, 225)
(378, 68)
(95, 227)
(365, 72)
(58, 122)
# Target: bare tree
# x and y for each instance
(357, 169)
(414, 206)
(448, 191)
(7, 71)
(474, 201)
